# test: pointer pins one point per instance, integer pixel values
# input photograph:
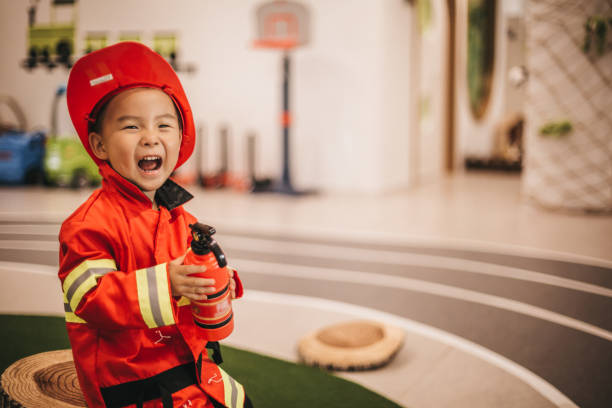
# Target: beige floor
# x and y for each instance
(467, 210)
(430, 370)
(474, 211)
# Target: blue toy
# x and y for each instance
(21, 157)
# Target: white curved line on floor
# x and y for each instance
(536, 382)
(35, 269)
(40, 229)
(410, 259)
(369, 255)
(31, 245)
(389, 281)
(351, 236)
(42, 217)
(419, 241)
(340, 275)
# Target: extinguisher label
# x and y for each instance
(211, 311)
(222, 307)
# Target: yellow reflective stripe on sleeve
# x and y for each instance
(89, 283)
(234, 391)
(143, 298)
(154, 296)
(164, 295)
(70, 316)
(82, 268)
(84, 277)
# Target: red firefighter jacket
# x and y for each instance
(125, 327)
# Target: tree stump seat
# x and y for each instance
(45, 380)
(351, 346)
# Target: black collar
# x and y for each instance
(171, 195)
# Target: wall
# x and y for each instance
(571, 171)
(349, 85)
(396, 135)
(338, 97)
(430, 83)
(34, 92)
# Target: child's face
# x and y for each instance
(140, 137)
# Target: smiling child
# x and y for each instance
(126, 293)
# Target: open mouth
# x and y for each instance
(150, 163)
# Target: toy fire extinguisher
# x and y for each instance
(214, 315)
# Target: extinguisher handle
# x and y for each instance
(203, 242)
(219, 255)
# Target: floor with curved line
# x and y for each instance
(502, 303)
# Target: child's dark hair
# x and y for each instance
(96, 125)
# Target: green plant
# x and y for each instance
(596, 27)
(425, 14)
(556, 129)
(481, 53)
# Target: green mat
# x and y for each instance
(269, 382)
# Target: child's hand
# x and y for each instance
(191, 287)
(232, 282)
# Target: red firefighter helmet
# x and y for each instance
(98, 76)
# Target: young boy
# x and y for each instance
(126, 292)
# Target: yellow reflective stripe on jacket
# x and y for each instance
(70, 316)
(234, 391)
(84, 277)
(154, 296)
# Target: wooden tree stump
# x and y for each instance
(351, 346)
(45, 380)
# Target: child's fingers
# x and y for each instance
(195, 292)
(189, 269)
(199, 282)
(195, 296)
(200, 292)
(203, 290)
(232, 282)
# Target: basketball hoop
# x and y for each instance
(274, 43)
(281, 25)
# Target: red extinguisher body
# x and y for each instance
(214, 314)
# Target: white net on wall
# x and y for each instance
(565, 83)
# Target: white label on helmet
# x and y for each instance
(101, 80)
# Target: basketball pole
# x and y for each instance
(283, 25)
(285, 183)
